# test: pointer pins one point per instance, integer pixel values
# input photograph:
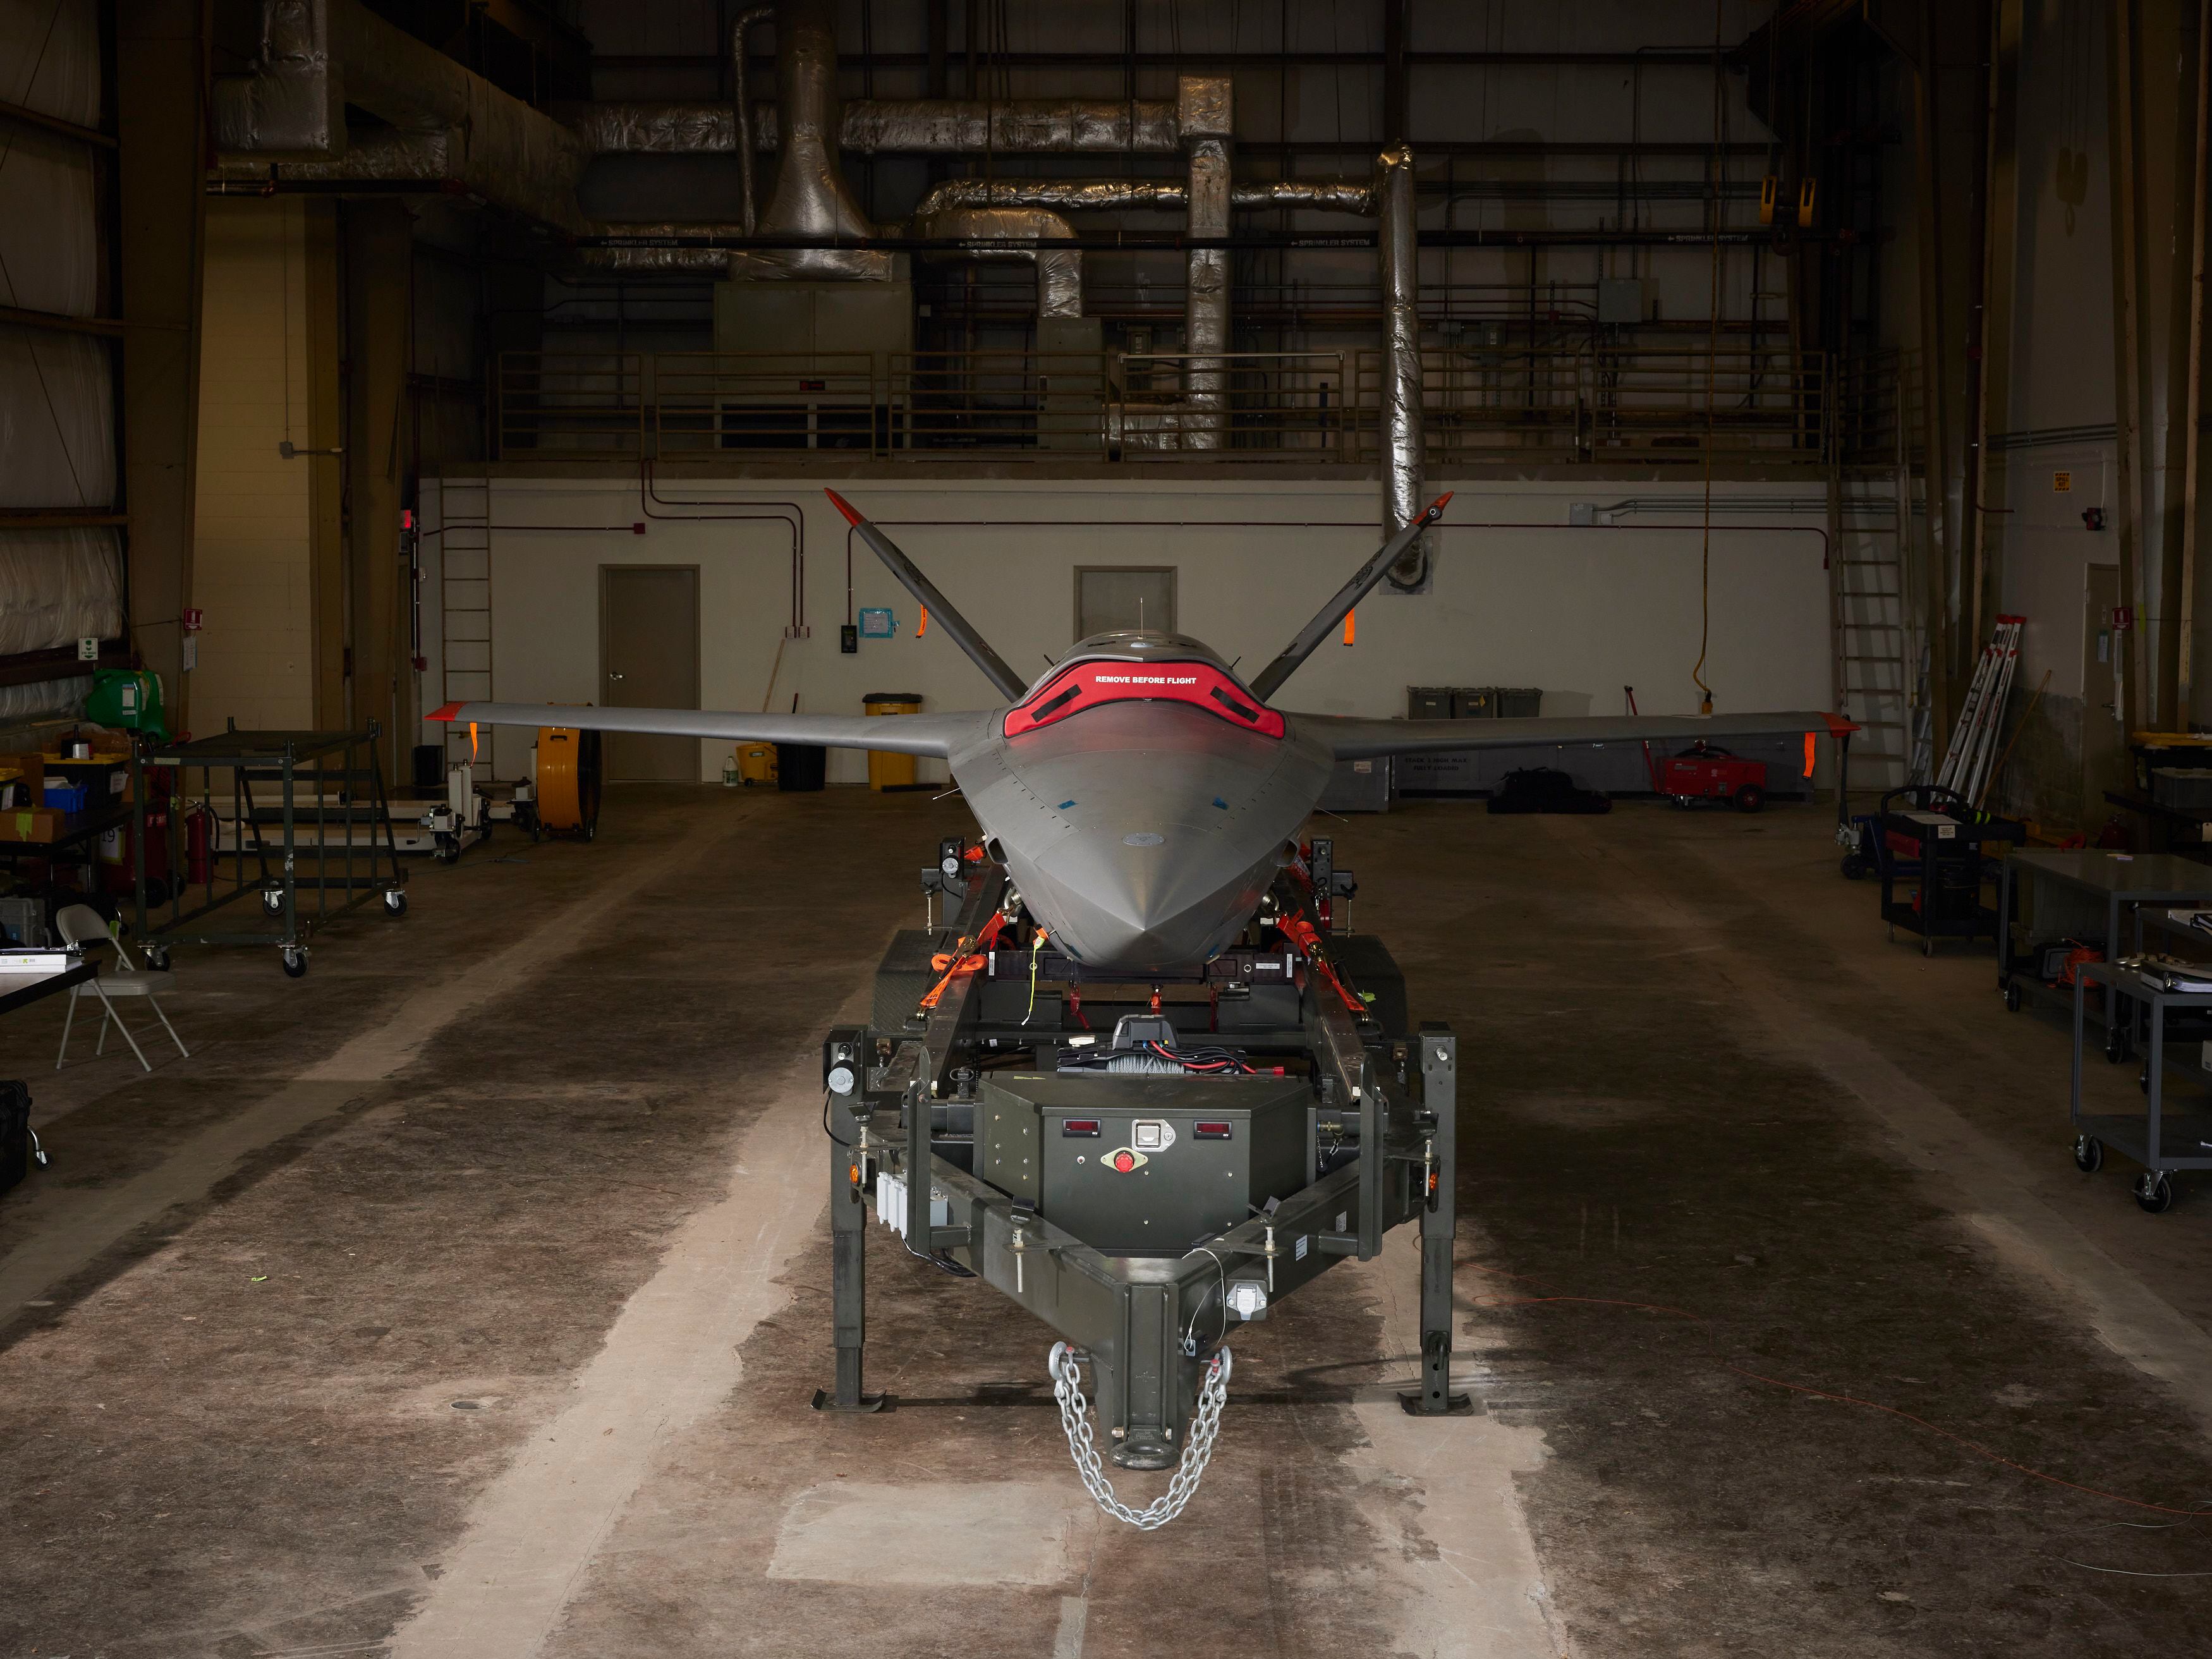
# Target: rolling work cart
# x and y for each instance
(1928, 836)
(321, 793)
(2161, 1141)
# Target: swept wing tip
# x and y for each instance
(852, 513)
(1839, 726)
(1437, 505)
(450, 711)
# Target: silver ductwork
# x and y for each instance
(475, 137)
(811, 198)
(1019, 126)
(919, 126)
(1171, 195)
(294, 103)
(1205, 296)
(1059, 270)
(1401, 363)
(742, 109)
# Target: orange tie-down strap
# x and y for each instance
(959, 959)
(1302, 933)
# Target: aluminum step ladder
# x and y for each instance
(1973, 746)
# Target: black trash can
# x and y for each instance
(800, 766)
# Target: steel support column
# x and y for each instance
(2153, 190)
(161, 73)
(378, 255)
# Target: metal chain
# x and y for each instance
(1197, 1448)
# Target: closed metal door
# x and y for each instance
(649, 658)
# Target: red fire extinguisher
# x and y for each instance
(199, 836)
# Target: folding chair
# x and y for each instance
(81, 925)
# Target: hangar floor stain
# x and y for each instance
(1715, 1130)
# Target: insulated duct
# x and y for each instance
(1205, 296)
(456, 127)
(811, 198)
(743, 109)
(1019, 126)
(1401, 363)
(1059, 270)
(917, 126)
(1103, 195)
(294, 103)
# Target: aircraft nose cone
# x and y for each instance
(1151, 900)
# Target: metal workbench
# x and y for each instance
(2161, 1141)
(2110, 882)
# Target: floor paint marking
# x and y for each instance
(1991, 1188)
(669, 1358)
(1463, 1471)
(1067, 1640)
(72, 1228)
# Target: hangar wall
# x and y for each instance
(1579, 611)
(253, 509)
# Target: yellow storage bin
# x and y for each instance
(887, 770)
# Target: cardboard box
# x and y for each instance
(33, 823)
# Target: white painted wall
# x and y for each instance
(1577, 611)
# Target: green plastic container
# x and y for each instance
(129, 698)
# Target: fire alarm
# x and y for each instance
(2094, 517)
(2123, 618)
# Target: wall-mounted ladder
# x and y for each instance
(1869, 622)
(465, 608)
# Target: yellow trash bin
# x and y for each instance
(887, 770)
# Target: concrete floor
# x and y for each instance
(464, 1298)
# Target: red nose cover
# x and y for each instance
(1087, 685)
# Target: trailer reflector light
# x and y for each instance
(1079, 1126)
(1210, 1131)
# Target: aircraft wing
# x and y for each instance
(1353, 738)
(903, 734)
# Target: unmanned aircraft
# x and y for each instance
(1140, 796)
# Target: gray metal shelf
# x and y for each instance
(2113, 881)
(2155, 1140)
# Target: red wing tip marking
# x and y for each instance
(852, 513)
(1437, 505)
(449, 712)
(1839, 726)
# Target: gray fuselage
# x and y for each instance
(1141, 832)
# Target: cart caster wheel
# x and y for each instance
(2153, 1193)
(1855, 867)
(2012, 999)
(2116, 1048)
(295, 963)
(449, 849)
(2088, 1154)
(272, 901)
(395, 902)
(1750, 798)
(157, 959)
